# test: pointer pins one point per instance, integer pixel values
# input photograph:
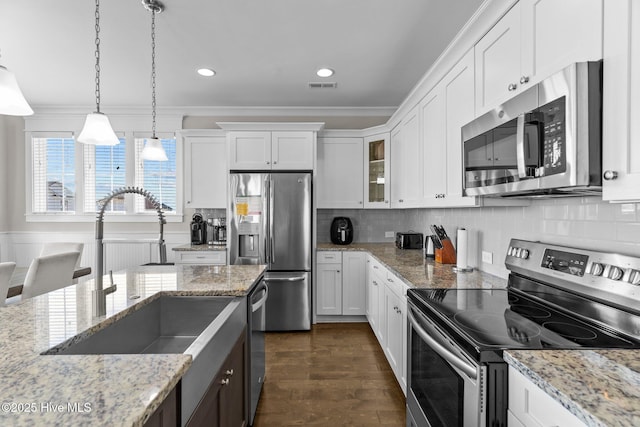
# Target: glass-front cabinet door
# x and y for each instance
(376, 171)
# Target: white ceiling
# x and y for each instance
(264, 51)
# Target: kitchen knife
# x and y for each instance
(437, 243)
(443, 234)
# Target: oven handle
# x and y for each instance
(447, 355)
(522, 171)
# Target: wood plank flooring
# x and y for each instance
(335, 375)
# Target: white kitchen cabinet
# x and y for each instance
(395, 325)
(205, 171)
(341, 283)
(406, 154)
(353, 283)
(376, 171)
(432, 110)
(261, 150)
(375, 298)
(396, 187)
(533, 41)
(339, 173)
(201, 257)
(621, 101)
(532, 407)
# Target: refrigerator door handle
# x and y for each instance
(272, 251)
(267, 192)
(284, 279)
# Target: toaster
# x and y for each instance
(409, 240)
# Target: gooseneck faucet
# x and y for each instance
(99, 235)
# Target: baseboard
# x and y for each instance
(341, 319)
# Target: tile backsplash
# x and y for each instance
(583, 222)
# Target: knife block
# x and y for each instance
(447, 254)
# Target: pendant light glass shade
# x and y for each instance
(97, 131)
(12, 102)
(153, 150)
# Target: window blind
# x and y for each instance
(53, 186)
(159, 178)
(104, 171)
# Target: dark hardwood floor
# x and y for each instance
(335, 375)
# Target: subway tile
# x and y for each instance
(559, 212)
(628, 232)
(625, 212)
(603, 230)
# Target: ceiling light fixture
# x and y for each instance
(324, 72)
(206, 72)
(153, 149)
(12, 102)
(97, 129)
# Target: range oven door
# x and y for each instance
(446, 388)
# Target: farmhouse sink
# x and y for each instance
(202, 326)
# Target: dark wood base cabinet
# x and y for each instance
(224, 403)
(167, 413)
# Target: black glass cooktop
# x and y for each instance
(498, 319)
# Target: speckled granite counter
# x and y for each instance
(600, 387)
(196, 248)
(120, 390)
(418, 272)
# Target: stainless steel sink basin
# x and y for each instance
(204, 327)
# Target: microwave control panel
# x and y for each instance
(553, 137)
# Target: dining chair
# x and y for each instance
(48, 273)
(51, 248)
(6, 271)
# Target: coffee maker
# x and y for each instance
(217, 231)
(198, 230)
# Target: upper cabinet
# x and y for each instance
(271, 146)
(621, 101)
(205, 169)
(376, 171)
(339, 173)
(406, 169)
(534, 39)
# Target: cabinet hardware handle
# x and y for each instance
(188, 201)
(610, 175)
(386, 201)
(524, 79)
(229, 372)
(375, 266)
(225, 381)
(268, 162)
(275, 161)
(375, 283)
(512, 87)
(360, 202)
(337, 271)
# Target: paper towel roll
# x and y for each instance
(461, 249)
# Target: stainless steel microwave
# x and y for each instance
(546, 141)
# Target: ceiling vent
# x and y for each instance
(323, 85)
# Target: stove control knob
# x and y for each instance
(615, 273)
(510, 251)
(634, 277)
(517, 252)
(597, 269)
(524, 254)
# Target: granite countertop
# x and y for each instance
(198, 248)
(118, 390)
(600, 387)
(416, 271)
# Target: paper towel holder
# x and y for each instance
(462, 234)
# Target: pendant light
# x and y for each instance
(12, 102)
(153, 147)
(97, 128)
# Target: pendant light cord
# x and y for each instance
(153, 73)
(97, 56)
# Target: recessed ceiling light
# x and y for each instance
(324, 72)
(207, 72)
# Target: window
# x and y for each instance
(159, 178)
(54, 173)
(68, 180)
(104, 171)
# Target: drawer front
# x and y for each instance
(329, 257)
(201, 257)
(396, 285)
(377, 268)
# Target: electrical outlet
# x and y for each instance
(487, 257)
(389, 234)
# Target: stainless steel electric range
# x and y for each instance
(556, 298)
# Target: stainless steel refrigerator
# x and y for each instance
(269, 222)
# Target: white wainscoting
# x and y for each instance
(22, 247)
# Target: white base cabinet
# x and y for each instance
(530, 406)
(340, 288)
(387, 316)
